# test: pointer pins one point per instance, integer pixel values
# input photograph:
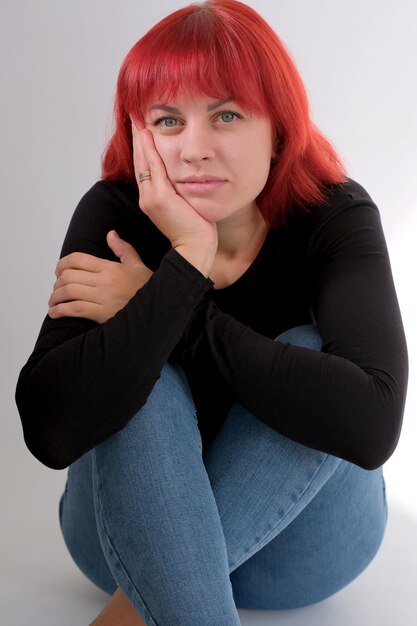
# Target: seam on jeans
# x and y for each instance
(128, 577)
(319, 469)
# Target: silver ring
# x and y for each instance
(145, 175)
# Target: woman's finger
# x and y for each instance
(82, 277)
(77, 308)
(72, 292)
(147, 160)
(152, 157)
(143, 170)
(79, 261)
(127, 254)
(138, 155)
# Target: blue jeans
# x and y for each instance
(256, 521)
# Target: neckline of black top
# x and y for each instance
(249, 271)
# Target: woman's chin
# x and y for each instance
(209, 211)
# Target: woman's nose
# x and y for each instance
(197, 144)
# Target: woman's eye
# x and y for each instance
(166, 122)
(229, 116)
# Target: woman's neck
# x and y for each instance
(238, 248)
(242, 239)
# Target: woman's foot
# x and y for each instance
(118, 612)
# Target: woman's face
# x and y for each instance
(216, 155)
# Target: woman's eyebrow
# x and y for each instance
(170, 109)
(219, 103)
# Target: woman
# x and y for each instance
(223, 365)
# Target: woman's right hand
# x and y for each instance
(190, 234)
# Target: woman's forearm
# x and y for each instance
(79, 387)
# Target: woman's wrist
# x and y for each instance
(200, 256)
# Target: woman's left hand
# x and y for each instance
(95, 288)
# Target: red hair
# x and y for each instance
(225, 49)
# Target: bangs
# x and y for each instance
(198, 56)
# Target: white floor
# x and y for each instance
(40, 586)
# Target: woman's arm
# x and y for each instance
(347, 400)
(84, 381)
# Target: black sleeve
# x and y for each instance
(84, 381)
(347, 400)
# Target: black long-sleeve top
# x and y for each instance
(84, 381)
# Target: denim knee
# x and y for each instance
(78, 525)
(306, 336)
(326, 547)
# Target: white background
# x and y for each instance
(58, 68)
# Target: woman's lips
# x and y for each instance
(201, 186)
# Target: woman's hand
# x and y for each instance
(190, 234)
(94, 288)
